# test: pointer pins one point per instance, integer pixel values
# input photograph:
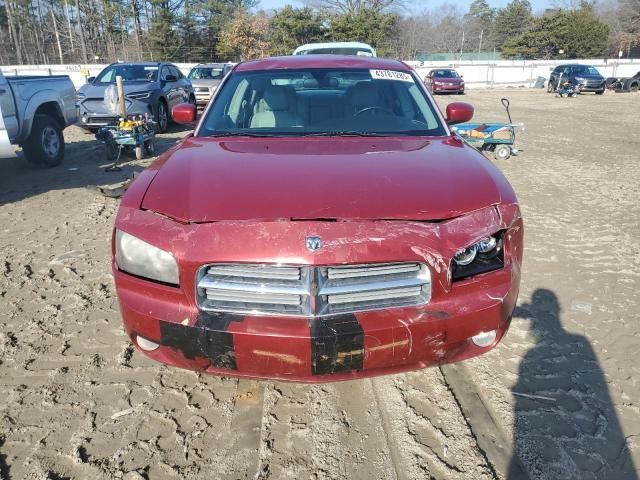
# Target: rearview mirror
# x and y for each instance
(184, 113)
(459, 112)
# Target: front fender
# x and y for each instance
(64, 105)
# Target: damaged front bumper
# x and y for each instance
(330, 348)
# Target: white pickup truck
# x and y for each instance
(33, 113)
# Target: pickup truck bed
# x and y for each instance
(33, 112)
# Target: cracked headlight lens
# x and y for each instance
(140, 258)
(466, 256)
(483, 256)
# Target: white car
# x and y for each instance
(336, 48)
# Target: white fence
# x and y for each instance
(477, 74)
(522, 73)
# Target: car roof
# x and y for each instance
(311, 46)
(321, 61)
(212, 64)
(149, 64)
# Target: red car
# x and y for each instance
(444, 80)
(321, 223)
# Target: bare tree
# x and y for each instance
(356, 6)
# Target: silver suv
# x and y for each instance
(205, 78)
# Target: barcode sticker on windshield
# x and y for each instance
(391, 75)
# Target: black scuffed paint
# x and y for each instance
(337, 344)
(207, 338)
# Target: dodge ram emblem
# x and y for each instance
(313, 243)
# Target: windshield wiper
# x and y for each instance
(241, 134)
(343, 133)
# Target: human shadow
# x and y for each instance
(566, 426)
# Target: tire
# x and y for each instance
(632, 85)
(112, 151)
(502, 152)
(45, 145)
(550, 87)
(149, 147)
(162, 116)
(600, 92)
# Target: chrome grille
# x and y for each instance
(311, 291)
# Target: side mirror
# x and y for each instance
(184, 113)
(171, 78)
(459, 112)
(91, 79)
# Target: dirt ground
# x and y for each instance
(563, 388)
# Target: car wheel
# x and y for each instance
(162, 116)
(600, 92)
(150, 147)
(45, 145)
(550, 87)
(502, 152)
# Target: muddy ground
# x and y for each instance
(562, 390)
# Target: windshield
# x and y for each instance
(129, 73)
(321, 102)
(445, 74)
(584, 70)
(206, 73)
(365, 52)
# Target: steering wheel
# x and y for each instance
(370, 109)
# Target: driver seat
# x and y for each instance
(362, 95)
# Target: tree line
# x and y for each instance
(87, 31)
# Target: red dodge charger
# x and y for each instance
(321, 223)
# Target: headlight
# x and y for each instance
(140, 258)
(139, 95)
(466, 255)
(483, 256)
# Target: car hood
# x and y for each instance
(97, 90)
(589, 76)
(448, 79)
(207, 180)
(205, 83)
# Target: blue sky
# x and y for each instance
(419, 6)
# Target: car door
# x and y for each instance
(8, 106)
(169, 83)
(428, 79)
(183, 85)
